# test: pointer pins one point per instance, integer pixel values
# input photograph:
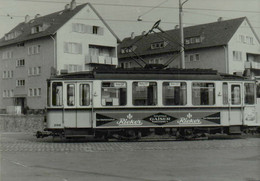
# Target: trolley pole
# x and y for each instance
(182, 61)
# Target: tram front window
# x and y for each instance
(113, 94)
(203, 93)
(57, 94)
(144, 93)
(174, 93)
(249, 93)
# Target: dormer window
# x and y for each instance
(12, 35)
(193, 40)
(128, 49)
(39, 28)
(158, 45)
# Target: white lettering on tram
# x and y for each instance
(188, 120)
(128, 121)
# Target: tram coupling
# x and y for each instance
(43, 134)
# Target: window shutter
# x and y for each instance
(100, 31)
(89, 29)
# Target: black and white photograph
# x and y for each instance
(140, 90)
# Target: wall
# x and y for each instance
(88, 17)
(235, 44)
(30, 123)
(44, 59)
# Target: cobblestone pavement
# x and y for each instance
(19, 142)
(25, 158)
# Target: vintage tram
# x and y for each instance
(134, 103)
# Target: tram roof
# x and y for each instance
(148, 74)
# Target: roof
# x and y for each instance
(142, 74)
(55, 21)
(212, 34)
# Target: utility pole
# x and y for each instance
(182, 63)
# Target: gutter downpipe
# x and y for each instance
(226, 58)
(54, 52)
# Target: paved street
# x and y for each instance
(24, 158)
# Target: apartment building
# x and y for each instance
(74, 39)
(229, 46)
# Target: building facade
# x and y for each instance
(74, 39)
(229, 46)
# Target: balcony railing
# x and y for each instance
(254, 65)
(100, 60)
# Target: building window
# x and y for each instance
(73, 67)
(193, 40)
(7, 55)
(34, 92)
(8, 74)
(158, 45)
(174, 93)
(8, 93)
(203, 93)
(144, 93)
(20, 63)
(35, 49)
(113, 94)
(237, 56)
(155, 61)
(36, 29)
(192, 57)
(73, 48)
(12, 35)
(34, 71)
(20, 83)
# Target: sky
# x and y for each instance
(122, 15)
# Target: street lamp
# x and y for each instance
(181, 34)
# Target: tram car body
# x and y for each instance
(135, 103)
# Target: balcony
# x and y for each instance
(94, 59)
(254, 65)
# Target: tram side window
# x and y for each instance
(70, 94)
(57, 94)
(235, 94)
(249, 93)
(113, 94)
(258, 91)
(144, 93)
(174, 93)
(84, 95)
(203, 93)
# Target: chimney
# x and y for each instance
(67, 6)
(37, 16)
(143, 33)
(176, 27)
(220, 19)
(73, 4)
(132, 35)
(27, 19)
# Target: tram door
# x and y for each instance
(77, 105)
(235, 103)
(250, 104)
